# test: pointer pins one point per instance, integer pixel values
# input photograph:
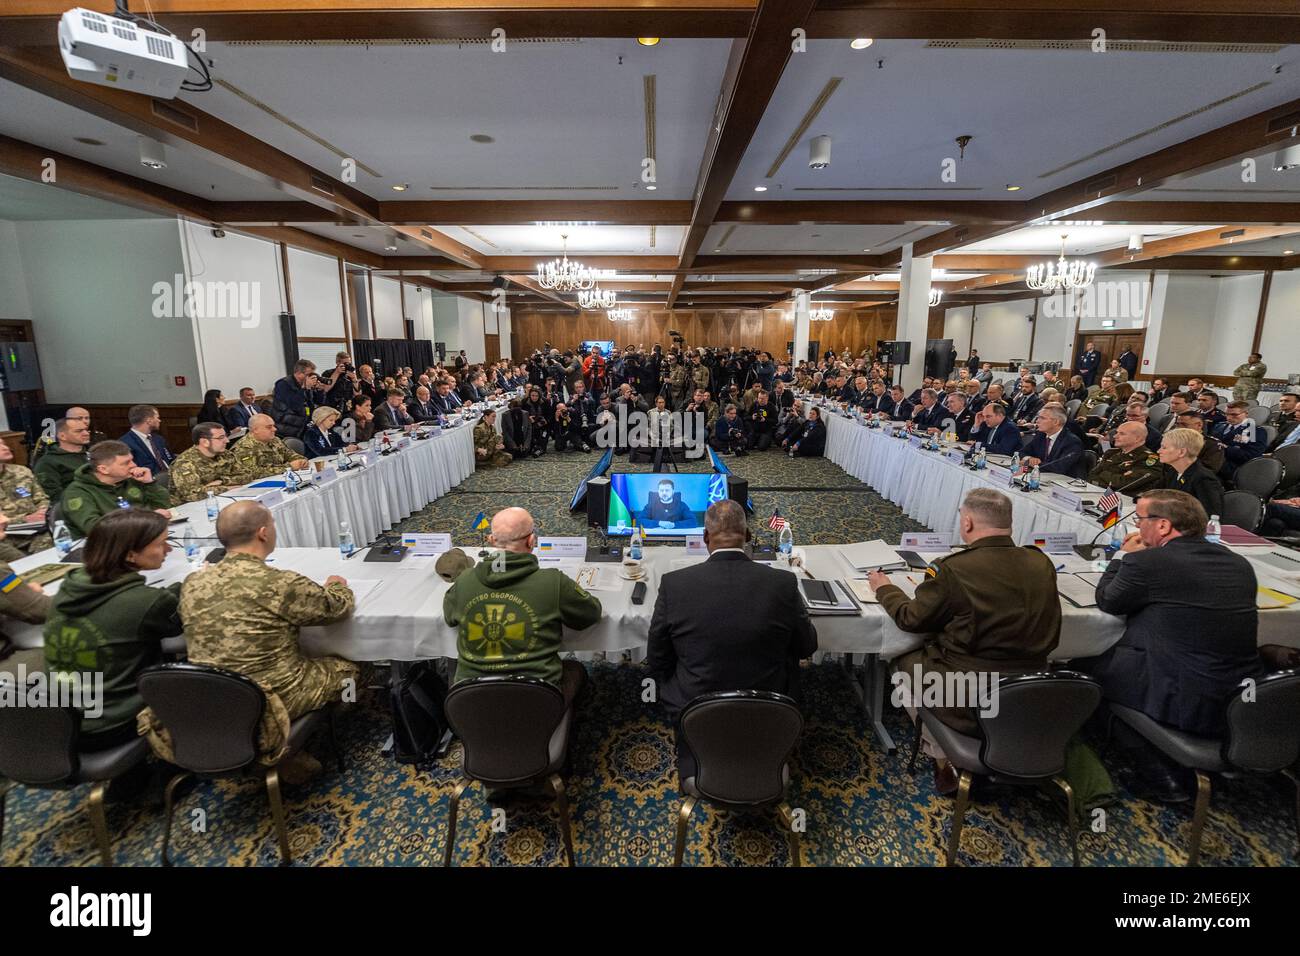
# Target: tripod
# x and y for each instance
(665, 457)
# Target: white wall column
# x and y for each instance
(913, 316)
(801, 326)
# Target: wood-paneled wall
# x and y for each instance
(765, 329)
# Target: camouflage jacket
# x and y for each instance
(486, 437)
(192, 471)
(244, 615)
(20, 495)
(1250, 373)
(257, 459)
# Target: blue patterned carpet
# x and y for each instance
(862, 807)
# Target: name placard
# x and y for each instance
(434, 432)
(916, 440)
(427, 545)
(404, 442)
(956, 456)
(271, 498)
(326, 475)
(929, 541)
(1065, 499)
(998, 475)
(370, 457)
(562, 547)
(695, 545)
(1056, 542)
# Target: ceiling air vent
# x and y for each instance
(1112, 46)
(1283, 125)
(1101, 184)
(321, 184)
(173, 114)
(1232, 233)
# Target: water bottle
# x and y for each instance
(1213, 530)
(62, 538)
(1033, 479)
(1015, 462)
(191, 545)
(634, 551)
(290, 480)
(345, 460)
(346, 544)
(785, 541)
(213, 507)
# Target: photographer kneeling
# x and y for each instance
(729, 434)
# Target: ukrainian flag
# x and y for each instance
(480, 522)
(9, 583)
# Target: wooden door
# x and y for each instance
(1110, 345)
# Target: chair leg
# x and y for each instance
(334, 740)
(277, 814)
(1198, 818)
(1069, 812)
(99, 822)
(169, 808)
(452, 807)
(958, 816)
(916, 745)
(787, 817)
(562, 805)
(1290, 775)
(683, 819)
(4, 792)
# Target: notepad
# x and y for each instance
(1076, 590)
(871, 556)
(1267, 599)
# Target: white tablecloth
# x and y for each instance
(930, 488)
(371, 499)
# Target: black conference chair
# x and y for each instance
(1156, 411)
(39, 748)
(295, 445)
(1260, 476)
(1263, 737)
(1072, 407)
(741, 743)
(1259, 414)
(1087, 462)
(1161, 422)
(213, 716)
(1024, 744)
(1243, 509)
(514, 732)
(1270, 434)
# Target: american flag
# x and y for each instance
(776, 522)
(1109, 501)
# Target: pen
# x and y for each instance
(914, 581)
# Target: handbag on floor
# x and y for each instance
(416, 693)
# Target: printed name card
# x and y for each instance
(433, 432)
(956, 456)
(370, 457)
(403, 442)
(561, 547)
(999, 475)
(1054, 542)
(916, 440)
(695, 545)
(426, 545)
(1067, 500)
(271, 498)
(929, 541)
(326, 475)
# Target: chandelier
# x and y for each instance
(935, 296)
(621, 315)
(820, 314)
(597, 298)
(563, 275)
(1060, 275)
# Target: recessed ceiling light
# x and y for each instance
(151, 154)
(401, 187)
(647, 41)
(760, 189)
(1288, 252)
(1012, 189)
(481, 138)
(652, 187)
(861, 43)
(89, 141)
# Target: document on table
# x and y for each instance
(600, 577)
(863, 592)
(1267, 599)
(869, 555)
(1077, 589)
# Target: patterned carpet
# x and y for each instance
(862, 807)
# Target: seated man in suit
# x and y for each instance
(148, 447)
(1191, 633)
(879, 401)
(997, 433)
(902, 409)
(238, 415)
(1052, 448)
(1207, 405)
(392, 414)
(1285, 418)
(727, 624)
(422, 408)
(664, 508)
(1239, 437)
(963, 419)
(929, 415)
(444, 400)
(994, 607)
(1024, 407)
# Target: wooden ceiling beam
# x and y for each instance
(865, 213)
(1139, 213)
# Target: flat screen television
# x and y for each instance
(663, 505)
(606, 347)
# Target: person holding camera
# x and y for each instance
(762, 420)
(729, 434)
(341, 385)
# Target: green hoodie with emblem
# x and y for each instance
(87, 499)
(114, 628)
(512, 621)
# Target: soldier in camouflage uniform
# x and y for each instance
(22, 499)
(205, 466)
(1106, 396)
(1130, 465)
(243, 615)
(676, 383)
(19, 599)
(1250, 379)
(111, 479)
(260, 453)
(489, 447)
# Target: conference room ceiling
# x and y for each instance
(569, 121)
(24, 201)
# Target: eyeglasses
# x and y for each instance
(1140, 518)
(518, 537)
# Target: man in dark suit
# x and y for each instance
(1191, 634)
(422, 409)
(1128, 360)
(443, 399)
(1087, 364)
(1025, 406)
(727, 624)
(237, 416)
(998, 434)
(1053, 448)
(391, 414)
(1241, 439)
(973, 363)
(902, 410)
(879, 401)
(963, 419)
(148, 447)
(929, 414)
(1159, 391)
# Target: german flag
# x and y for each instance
(1110, 518)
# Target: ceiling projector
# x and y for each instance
(110, 51)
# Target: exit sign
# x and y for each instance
(180, 381)
(1107, 323)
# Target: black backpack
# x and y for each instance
(416, 693)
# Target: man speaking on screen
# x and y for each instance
(664, 508)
